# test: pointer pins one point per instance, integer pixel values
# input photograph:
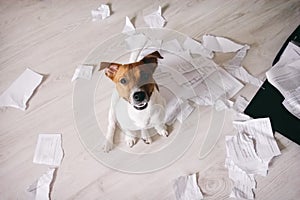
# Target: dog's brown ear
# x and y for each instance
(152, 57)
(110, 69)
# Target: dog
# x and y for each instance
(136, 104)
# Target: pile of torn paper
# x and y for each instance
(248, 154)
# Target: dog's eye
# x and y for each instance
(144, 76)
(123, 81)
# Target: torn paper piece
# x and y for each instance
(101, 12)
(136, 42)
(223, 104)
(48, 150)
(83, 72)
(220, 44)
(240, 149)
(234, 67)
(155, 19)
(220, 84)
(240, 117)
(171, 46)
(285, 76)
(128, 28)
(240, 104)
(244, 183)
(260, 131)
(185, 111)
(42, 186)
(196, 47)
(241, 74)
(292, 102)
(186, 188)
(21, 90)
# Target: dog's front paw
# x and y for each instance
(130, 141)
(163, 132)
(147, 140)
(107, 147)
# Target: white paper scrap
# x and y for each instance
(41, 187)
(83, 72)
(260, 130)
(220, 84)
(128, 28)
(186, 188)
(136, 42)
(21, 90)
(101, 12)
(240, 104)
(220, 44)
(196, 47)
(48, 150)
(186, 110)
(240, 149)
(223, 104)
(155, 19)
(244, 183)
(235, 68)
(172, 46)
(285, 76)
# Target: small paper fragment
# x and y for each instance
(155, 19)
(129, 27)
(41, 187)
(244, 184)
(220, 44)
(240, 104)
(196, 47)
(240, 149)
(186, 110)
(20, 91)
(235, 68)
(186, 188)
(261, 132)
(48, 150)
(83, 72)
(101, 12)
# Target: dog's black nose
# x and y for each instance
(139, 96)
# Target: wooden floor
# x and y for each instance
(53, 37)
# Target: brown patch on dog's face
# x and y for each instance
(134, 82)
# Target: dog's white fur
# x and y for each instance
(129, 119)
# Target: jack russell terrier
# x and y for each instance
(136, 104)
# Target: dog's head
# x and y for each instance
(134, 81)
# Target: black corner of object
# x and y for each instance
(268, 102)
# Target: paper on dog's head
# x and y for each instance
(133, 77)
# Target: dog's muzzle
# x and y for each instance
(140, 100)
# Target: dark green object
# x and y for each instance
(268, 102)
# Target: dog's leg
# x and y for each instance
(145, 136)
(162, 130)
(109, 142)
(130, 139)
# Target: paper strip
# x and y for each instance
(21, 90)
(155, 19)
(101, 12)
(196, 47)
(48, 150)
(41, 187)
(128, 28)
(220, 44)
(186, 188)
(83, 72)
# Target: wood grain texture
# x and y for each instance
(52, 37)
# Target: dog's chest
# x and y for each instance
(132, 119)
